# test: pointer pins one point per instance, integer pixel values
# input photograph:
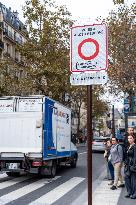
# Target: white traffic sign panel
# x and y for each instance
(89, 78)
(89, 48)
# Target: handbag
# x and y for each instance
(127, 170)
(133, 167)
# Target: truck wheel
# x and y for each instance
(53, 169)
(49, 171)
(74, 162)
(13, 174)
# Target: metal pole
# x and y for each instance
(89, 142)
(113, 121)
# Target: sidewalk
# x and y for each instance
(83, 198)
(102, 194)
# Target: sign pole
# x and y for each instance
(89, 44)
(89, 142)
(113, 122)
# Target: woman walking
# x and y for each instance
(107, 155)
(130, 168)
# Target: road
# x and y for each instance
(30, 189)
(69, 187)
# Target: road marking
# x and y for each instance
(105, 196)
(2, 175)
(101, 177)
(81, 199)
(25, 190)
(14, 181)
(58, 192)
(82, 153)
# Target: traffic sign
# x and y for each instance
(126, 106)
(88, 48)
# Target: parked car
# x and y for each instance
(98, 144)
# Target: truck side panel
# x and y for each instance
(57, 130)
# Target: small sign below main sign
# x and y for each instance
(88, 78)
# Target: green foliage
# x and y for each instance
(79, 98)
(122, 48)
(79, 103)
(118, 1)
(9, 77)
(46, 59)
(47, 51)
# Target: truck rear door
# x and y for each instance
(50, 129)
(21, 125)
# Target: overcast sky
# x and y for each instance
(81, 10)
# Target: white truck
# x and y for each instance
(35, 136)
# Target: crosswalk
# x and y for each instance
(14, 189)
(105, 196)
(58, 192)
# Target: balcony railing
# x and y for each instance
(18, 40)
(11, 36)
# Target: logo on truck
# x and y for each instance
(62, 114)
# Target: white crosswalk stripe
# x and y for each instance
(25, 190)
(46, 199)
(55, 194)
(2, 175)
(13, 182)
(58, 192)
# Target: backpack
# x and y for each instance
(123, 148)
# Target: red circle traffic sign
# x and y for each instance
(88, 40)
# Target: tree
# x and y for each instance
(118, 1)
(122, 48)
(10, 81)
(46, 53)
(79, 103)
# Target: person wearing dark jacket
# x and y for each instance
(130, 131)
(130, 168)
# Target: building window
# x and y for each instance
(6, 29)
(15, 35)
(21, 40)
(16, 56)
(8, 50)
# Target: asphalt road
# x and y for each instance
(68, 188)
(29, 189)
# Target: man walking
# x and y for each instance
(117, 161)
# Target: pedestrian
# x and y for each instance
(130, 131)
(107, 155)
(130, 168)
(117, 161)
(106, 152)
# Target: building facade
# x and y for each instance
(12, 33)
